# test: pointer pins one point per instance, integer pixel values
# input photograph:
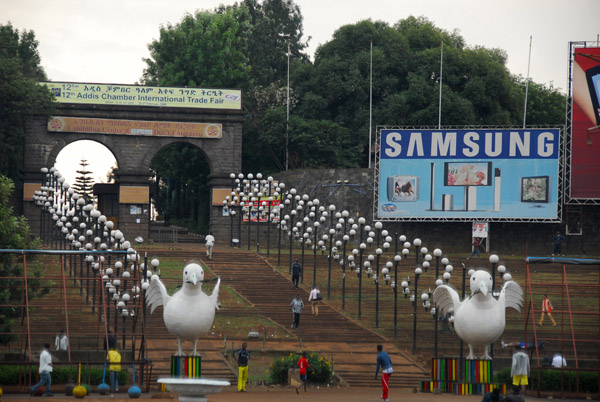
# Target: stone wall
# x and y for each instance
(353, 190)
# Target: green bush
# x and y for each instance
(9, 375)
(320, 370)
(551, 380)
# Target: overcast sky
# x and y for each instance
(105, 41)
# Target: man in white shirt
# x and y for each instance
(559, 361)
(210, 242)
(45, 370)
(61, 342)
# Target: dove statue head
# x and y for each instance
(481, 283)
(193, 274)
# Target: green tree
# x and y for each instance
(21, 96)
(84, 183)
(14, 234)
(203, 50)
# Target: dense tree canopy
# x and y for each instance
(245, 46)
(20, 94)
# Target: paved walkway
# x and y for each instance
(347, 394)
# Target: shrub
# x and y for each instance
(320, 370)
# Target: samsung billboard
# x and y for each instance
(466, 174)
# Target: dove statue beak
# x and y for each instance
(483, 288)
(194, 279)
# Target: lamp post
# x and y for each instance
(494, 260)
(292, 215)
(270, 201)
(331, 236)
(437, 253)
(259, 208)
(287, 124)
(316, 229)
(345, 238)
(418, 272)
(362, 246)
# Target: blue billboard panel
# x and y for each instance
(491, 174)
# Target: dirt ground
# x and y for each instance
(283, 394)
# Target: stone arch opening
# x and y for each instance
(101, 160)
(181, 195)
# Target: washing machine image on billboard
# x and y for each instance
(402, 188)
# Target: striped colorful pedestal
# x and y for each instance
(429, 386)
(476, 389)
(186, 366)
(479, 375)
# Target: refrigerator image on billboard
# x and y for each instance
(493, 174)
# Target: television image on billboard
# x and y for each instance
(535, 189)
(467, 173)
(402, 188)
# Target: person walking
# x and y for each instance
(384, 361)
(209, 242)
(44, 370)
(297, 306)
(476, 243)
(520, 369)
(315, 297)
(546, 310)
(303, 364)
(296, 272)
(61, 343)
(558, 239)
(114, 367)
(242, 356)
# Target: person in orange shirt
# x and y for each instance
(546, 309)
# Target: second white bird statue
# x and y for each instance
(190, 312)
(479, 319)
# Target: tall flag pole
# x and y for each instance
(370, 103)
(441, 76)
(527, 84)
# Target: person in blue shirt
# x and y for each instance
(384, 361)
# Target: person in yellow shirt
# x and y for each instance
(114, 367)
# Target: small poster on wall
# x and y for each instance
(480, 229)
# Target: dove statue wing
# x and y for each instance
(214, 297)
(157, 294)
(445, 299)
(512, 295)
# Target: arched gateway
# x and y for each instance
(135, 122)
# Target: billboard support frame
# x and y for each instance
(568, 143)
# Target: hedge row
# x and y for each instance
(551, 380)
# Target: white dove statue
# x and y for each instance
(190, 312)
(479, 320)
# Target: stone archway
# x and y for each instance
(134, 134)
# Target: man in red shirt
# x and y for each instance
(303, 364)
